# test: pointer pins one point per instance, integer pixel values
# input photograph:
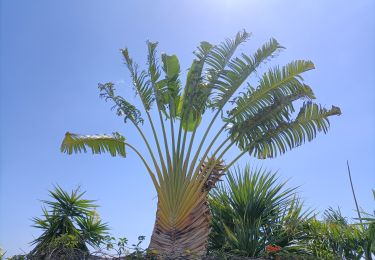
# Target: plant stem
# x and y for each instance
(192, 165)
(157, 142)
(165, 141)
(355, 199)
(147, 166)
(150, 151)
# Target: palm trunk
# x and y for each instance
(189, 241)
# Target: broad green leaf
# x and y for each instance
(171, 65)
(114, 144)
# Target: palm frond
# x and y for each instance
(122, 106)
(114, 144)
(276, 86)
(154, 72)
(268, 116)
(195, 96)
(311, 119)
(240, 69)
(140, 80)
(221, 54)
(204, 49)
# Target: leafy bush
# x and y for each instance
(334, 237)
(123, 250)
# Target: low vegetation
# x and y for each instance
(254, 214)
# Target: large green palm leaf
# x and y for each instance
(239, 69)
(278, 135)
(113, 144)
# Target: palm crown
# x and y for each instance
(260, 120)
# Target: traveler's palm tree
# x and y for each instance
(260, 120)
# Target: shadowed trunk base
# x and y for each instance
(189, 242)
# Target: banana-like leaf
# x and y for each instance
(193, 103)
(197, 93)
(171, 66)
(170, 86)
(114, 144)
(189, 121)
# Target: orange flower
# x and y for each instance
(273, 248)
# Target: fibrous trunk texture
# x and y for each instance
(190, 240)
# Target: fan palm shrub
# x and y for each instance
(184, 165)
(70, 224)
(254, 211)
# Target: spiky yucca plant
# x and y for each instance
(68, 222)
(259, 120)
(254, 210)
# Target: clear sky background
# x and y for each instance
(54, 53)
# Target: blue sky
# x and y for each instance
(54, 53)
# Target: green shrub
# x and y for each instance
(253, 211)
(69, 225)
(334, 237)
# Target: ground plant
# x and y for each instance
(256, 215)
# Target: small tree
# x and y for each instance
(69, 224)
